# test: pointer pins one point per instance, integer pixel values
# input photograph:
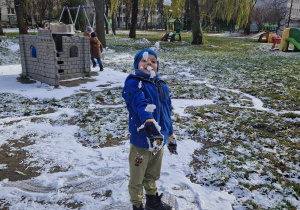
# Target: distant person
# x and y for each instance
(96, 50)
(150, 126)
(88, 32)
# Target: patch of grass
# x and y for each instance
(238, 143)
(286, 205)
(290, 115)
(109, 136)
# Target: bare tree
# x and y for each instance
(99, 4)
(247, 28)
(41, 7)
(107, 5)
(20, 17)
(90, 13)
(127, 11)
(113, 22)
(259, 17)
(1, 30)
(272, 12)
(290, 12)
(160, 8)
(277, 12)
(135, 6)
(31, 12)
(197, 35)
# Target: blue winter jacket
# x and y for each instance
(138, 92)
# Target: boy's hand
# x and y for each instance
(172, 144)
(154, 136)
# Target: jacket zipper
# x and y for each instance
(160, 108)
(162, 91)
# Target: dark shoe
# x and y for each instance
(153, 202)
(101, 68)
(135, 208)
(94, 64)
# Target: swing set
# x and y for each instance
(86, 16)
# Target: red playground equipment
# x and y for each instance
(276, 40)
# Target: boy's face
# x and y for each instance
(145, 66)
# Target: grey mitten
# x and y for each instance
(172, 144)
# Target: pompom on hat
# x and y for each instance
(139, 56)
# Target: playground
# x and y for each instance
(236, 112)
(290, 37)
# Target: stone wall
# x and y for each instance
(50, 64)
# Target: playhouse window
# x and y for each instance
(74, 51)
(33, 52)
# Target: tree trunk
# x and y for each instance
(135, 5)
(1, 30)
(19, 13)
(119, 19)
(197, 36)
(50, 11)
(31, 13)
(106, 23)
(113, 22)
(127, 12)
(160, 8)
(186, 14)
(146, 19)
(247, 28)
(99, 4)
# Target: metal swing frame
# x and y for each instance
(78, 9)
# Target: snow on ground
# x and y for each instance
(10, 73)
(95, 178)
(83, 169)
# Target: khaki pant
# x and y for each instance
(144, 171)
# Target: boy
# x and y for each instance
(150, 125)
(96, 49)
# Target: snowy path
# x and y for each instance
(93, 178)
(90, 171)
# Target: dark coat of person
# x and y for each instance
(96, 47)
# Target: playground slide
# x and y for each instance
(257, 35)
(164, 37)
(294, 42)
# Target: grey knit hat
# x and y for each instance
(89, 29)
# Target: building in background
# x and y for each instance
(293, 14)
(8, 13)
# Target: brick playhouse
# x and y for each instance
(55, 54)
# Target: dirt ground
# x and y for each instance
(13, 156)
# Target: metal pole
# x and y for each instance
(61, 14)
(70, 16)
(290, 14)
(87, 17)
(110, 27)
(77, 14)
(94, 20)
